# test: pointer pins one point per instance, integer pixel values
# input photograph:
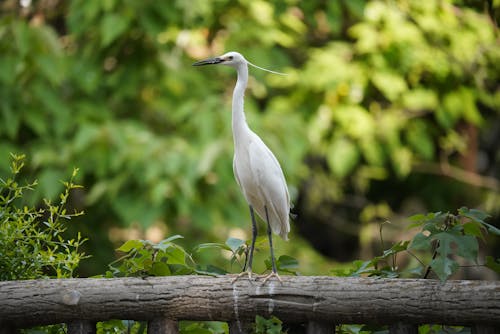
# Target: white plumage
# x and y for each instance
(255, 167)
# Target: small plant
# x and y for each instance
(145, 258)
(442, 237)
(448, 236)
(32, 242)
(239, 252)
(268, 326)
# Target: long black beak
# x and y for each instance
(210, 61)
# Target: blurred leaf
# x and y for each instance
(8, 68)
(420, 140)
(420, 99)
(22, 37)
(390, 84)
(211, 245)
(12, 120)
(342, 157)
(492, 229)
(112, 26)
(493, 264)
(474, 214)
(287, 262)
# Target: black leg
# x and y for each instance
(248, 263)
(270, 237)
(247, 268)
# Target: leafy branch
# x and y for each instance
(444, 236)
(32, 242)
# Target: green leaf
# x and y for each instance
(467, 247)
(342, 157)
(400, 246)
(287, 262)
(160, 269)
(211, 270)
(420, 242)
(176, 256)
(391, 84)
(420, 139)
(493, 264)
(480, 217)
(420, 99)
(492, 229)
(418, 218)
(167, 243)
(267, 326)
(179, 269)
(444, 267)
(473, 229)
(211, 245)
(172, 238)
(112, 26)
(474, 214)
(234, 244)
(129, 245)
(22, 37)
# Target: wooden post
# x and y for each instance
(402, 328)
(238, 327)
(163, 326)
(7, 329)
(81, 327)
(320, 327)
(482, 329)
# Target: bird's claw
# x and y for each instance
(249, 273)
(272, 274)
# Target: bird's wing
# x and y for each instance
(235, 172)
(271, 184)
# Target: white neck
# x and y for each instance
(239, 123)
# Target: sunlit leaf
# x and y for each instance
(342, 156)
(129, 245)
(176, 256)
(389, 83)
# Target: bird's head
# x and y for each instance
(232, 59)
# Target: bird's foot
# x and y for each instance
(238, 276)
(271, 275)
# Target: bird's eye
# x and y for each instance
(230, 58)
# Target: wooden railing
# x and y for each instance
(318, 302)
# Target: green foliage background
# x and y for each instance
(380, 95)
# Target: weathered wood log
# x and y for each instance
(296, 300)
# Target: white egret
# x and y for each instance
(256, 169)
